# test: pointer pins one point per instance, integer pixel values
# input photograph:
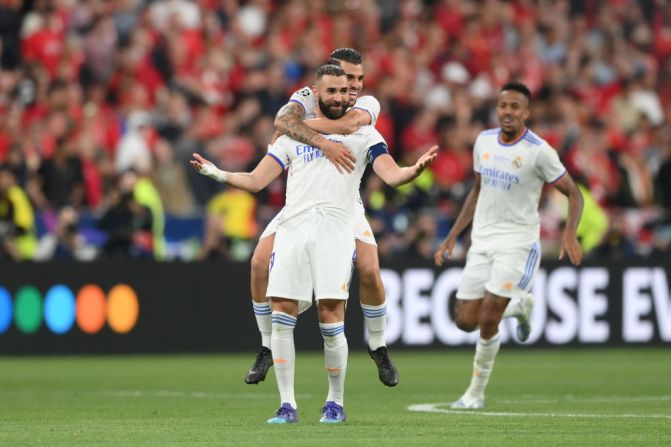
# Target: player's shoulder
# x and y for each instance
(364, 138)
(530, 137)
(283, 141)
(304, 97)
(303, 91)
(367, 100)
(490, 132)
(367, 131)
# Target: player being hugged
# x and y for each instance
(298, 119)
(304, 260)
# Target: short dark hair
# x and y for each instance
(328, 70)
(346, 55)
(518, 87)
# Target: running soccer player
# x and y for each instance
(511, 166)
(304, 260)
(363, 110)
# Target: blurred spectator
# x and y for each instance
(17, 222)
(43, 39)
(146, 196)
(230, 225)
(128, 223)
(91, 89)
(215, 245)
(664, 178)
(171, 181)
(133, 151)
(61, 179)
(10, 26)
(420, 239)
(100, 48)
(8, 229)
(617, 244)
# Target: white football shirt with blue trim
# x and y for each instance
(314, 182)
(512, 178)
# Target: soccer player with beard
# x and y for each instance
(511, 166)
(297, 120)
(314, 243)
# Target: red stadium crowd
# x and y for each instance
(103, 102)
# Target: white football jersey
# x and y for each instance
(512, 179)
(308, 100)
(314, 182)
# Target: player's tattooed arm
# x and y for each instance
(289, 121)
(350, 123)
(464, 219)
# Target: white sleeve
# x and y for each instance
(370, 105)
(476, 156)
(548, 165)
(375, 137)
(306, 98)
(279, 151)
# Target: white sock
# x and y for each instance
(485, 354)
(284, 355)
(263, 314)
(375, 318)
(335, 359)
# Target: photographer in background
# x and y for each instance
(66, 242)
(128, 223)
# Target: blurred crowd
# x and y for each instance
(102, 102)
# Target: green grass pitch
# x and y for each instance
(586, 397)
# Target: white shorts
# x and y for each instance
(507, 272)
(271, 228)
(312, 254)
(360, 227)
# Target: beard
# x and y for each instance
(512, 133)
(329, 113)
(513, 130)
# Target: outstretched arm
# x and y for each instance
(569, 243)
(393, 175)
(289, 121)
(350, 123)
(265, 172)
(464, 219)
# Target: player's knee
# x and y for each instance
(465, 322)
(260, 263)
(369, 274)
(289, 307)
(466, 325)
